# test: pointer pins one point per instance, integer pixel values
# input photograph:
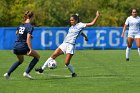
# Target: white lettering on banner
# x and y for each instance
(113, 36)
(116, 39)
(100, 38)
(85, 44)
(77, 45)
(43, 34)
(58, 36)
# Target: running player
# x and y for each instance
(68, 45)
(133, 22)
(23, 46)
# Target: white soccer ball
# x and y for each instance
(52, 64)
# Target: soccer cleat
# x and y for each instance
(127, 59)
(39, 70)
(74, 74)
(27, 75)
(6, 76)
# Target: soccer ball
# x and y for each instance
(52, 64)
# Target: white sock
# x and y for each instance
(70, 68)
(127, 52)
(46, 63)
(139, 51)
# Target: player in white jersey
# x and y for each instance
(68, 45)
(133, 22)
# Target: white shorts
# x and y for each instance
(67, 48)
(134, 35)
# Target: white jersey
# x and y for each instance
(74, 32)
(134, 24)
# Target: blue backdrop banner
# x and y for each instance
(52, 37)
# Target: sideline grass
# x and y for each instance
(99, 71)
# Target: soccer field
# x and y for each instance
(99, 71)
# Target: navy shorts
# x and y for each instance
(20, 48)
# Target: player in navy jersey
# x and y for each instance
(133, 22)
(68, 45)
(23, 46)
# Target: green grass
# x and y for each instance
(99, 71)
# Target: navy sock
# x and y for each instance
(31, 65)
(13, 67)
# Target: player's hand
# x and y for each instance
(29, 53)
(97, 14)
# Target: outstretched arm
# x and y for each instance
(86, 38)
(94, 20)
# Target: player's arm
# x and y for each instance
(94, 20)
(17, 32)
(86, 38)
(124, 29)
(29, 37)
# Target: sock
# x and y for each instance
(70, 68)
(127, 52)
(46, 63)
(139, 51)
(32, 64)
(13, 67)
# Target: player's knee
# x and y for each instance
(38, 57)
(129, 46)
(21, 61)
(138, 46)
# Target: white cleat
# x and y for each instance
(27, 75)
(6, 76)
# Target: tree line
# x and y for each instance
(57, 12)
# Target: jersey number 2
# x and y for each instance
(21, 30)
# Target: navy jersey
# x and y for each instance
(21, 46)
(23, 29)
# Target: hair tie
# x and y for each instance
(77, 14)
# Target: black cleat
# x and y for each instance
(39, 70)
(127, 59)
(74, 74)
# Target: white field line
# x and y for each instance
(96, 77)
(59, 75)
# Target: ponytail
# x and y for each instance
(28, 14)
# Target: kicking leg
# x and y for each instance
(56, 53)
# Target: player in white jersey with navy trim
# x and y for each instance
(133, 22)
(68, 45)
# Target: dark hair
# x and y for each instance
(28, 14)
(134, 9)
(76, 17)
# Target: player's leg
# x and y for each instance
(14, 66)
(67, 63)
(70, 50)
(138, 44)
(129, 45)
(55, 54)
(34, 61)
